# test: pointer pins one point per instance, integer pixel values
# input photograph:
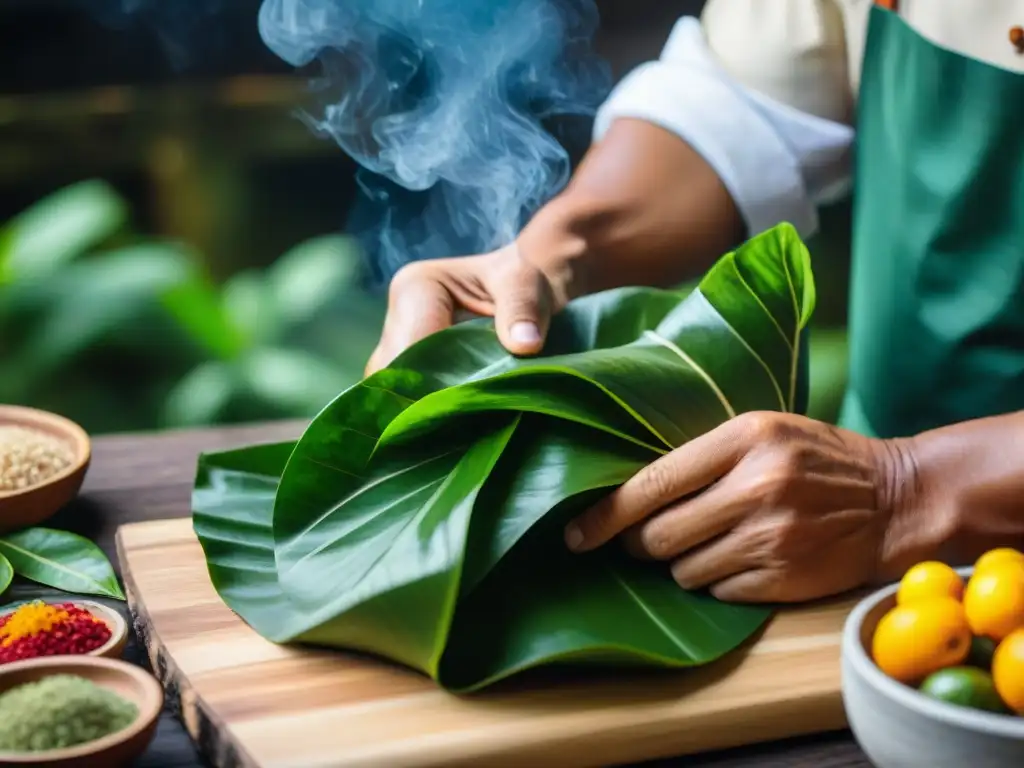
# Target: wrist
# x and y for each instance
(920, 517)
(643, 208)
(563, 240)
(954, 492)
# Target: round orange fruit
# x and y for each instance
(1008, 671)
(914, 640)
(996, 557)
(929, 579)
(994, 600)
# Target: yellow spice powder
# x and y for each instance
(31, 619)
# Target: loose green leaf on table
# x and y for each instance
(6, 574)
(62, 560)
(420, 515)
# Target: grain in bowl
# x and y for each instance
(29, 457)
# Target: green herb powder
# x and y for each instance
(60, 711)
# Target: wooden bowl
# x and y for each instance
(31, 506)
(113, 751)
(112, 649)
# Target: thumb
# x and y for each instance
(522, 309)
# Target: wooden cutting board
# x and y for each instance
(248, 702)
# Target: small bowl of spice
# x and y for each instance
(43, 460)
(37, 629)
(76, 712)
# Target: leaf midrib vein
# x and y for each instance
(672, 636)
(54, 564)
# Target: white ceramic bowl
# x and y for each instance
(899, 727)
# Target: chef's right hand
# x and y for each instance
(427, 296)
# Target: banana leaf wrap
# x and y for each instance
(419, 517)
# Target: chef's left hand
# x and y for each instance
(768, 507)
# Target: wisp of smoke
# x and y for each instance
(183, 27)
(446, 105)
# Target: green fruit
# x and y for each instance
(966, 687)
(980, 655)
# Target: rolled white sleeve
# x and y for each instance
(779, 163)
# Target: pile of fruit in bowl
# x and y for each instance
(956, 640)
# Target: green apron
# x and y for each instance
(937, 286)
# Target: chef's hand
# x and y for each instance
(768, 507)
(426, 296)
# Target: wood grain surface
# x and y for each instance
(248, 702)
(137, 477)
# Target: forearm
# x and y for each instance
(688, 160)
(643, 208)
(962, 490)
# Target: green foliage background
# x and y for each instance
(123, 332)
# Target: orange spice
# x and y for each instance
(31, 619)
(40, 629)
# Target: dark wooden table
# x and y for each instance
(149, 477)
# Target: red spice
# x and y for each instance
(37, 629)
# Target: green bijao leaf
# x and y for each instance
(420, 515)
(62, 560)
(6, 574)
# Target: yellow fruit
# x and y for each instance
(994, 600)
(1008, 671)
(912, 641)
(995, 557)
(929, 579)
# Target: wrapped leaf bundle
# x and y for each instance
(420, 515)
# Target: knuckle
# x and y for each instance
(781, 473)
(791, 461)
(772, 486)
(632, 543)
(408, 274)
(765, 588)
(683, 575)
(598, 524)
(777, 539)
(785, 535)
(762, 426)
(416, 273)
(657, 484)
(759, 545)
(656, 540)
(522, 293)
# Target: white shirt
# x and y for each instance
(765, 91)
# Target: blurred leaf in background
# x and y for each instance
(72, 277)
(282, 341)
(122, 332)
(59, 228)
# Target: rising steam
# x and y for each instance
(185, 29)
(446, 105)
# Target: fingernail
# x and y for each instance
(525, 333)
(573, 536)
